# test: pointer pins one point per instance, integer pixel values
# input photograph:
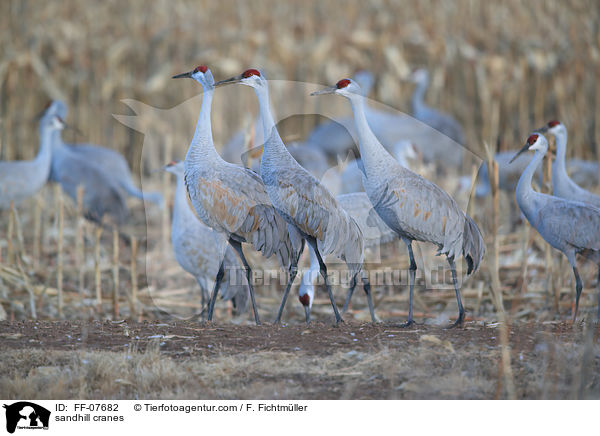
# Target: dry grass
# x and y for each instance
(433, 368)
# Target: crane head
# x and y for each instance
(536, 141)
(419, 76)
(345, 87)
(174, 167)
(553, 126)
(306, 294)
(251, 77)
(200, 74)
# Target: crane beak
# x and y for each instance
(542, 129)
(523, 150)
(229, 81)
(328, 90)
(183, 75)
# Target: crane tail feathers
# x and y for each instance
(473, 245)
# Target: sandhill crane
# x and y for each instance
(569, 226)
(101, 194)
(21, 179)
(200, 250)
(583, 172)
(562, 185)
(301, 200)
(412, 206)
(439, 121)
(110, 162)
(232, 200)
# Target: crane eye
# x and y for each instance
(342, 83)
(531, 140)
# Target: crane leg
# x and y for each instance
(412, 271)
(461, 309)
(367, 288)
(349, 295)
(237, 246)
(213, 298)
(578, 289)
(313, 243)
(293, 272)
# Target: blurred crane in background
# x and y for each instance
(101, 194)
(200, 250)
(111, 162)
(569, 226)
(22, 179)
(412, 206)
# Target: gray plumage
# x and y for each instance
(413, 207)
(110, 162)
(440, 121)
(22, 179)
(374, 230)
(232, 200)
(200, 250)
(583, 172)
(508, 173)
(301, 199)
(102, 196)
(569, 226)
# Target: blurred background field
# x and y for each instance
(501, 68)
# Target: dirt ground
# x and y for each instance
(42, 359)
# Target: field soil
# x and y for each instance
(45, 359)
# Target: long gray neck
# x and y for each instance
(525, 192)
(418, 97)
(182, 213)
(202, 149)
(275, 153)
(47, 135)
(372, 152)
(559, 170)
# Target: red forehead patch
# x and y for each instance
(304, 299)
(531, 140)
(342, 83)
(553, 123)
(250, 72)
(201, 68)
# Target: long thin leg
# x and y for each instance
(237, 246)
(578, 289)
(213, 298)
(461, 309)
(292, 276)
(412, 271)
(367, 288)
(349, 295)
(313, 243)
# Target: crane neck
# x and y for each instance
(559, 170)
(524, 190)
(181, 208)
(371, 150)
(275, 154)
(418, 97)
(268, 122)
(202, 147)
(48, 136)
